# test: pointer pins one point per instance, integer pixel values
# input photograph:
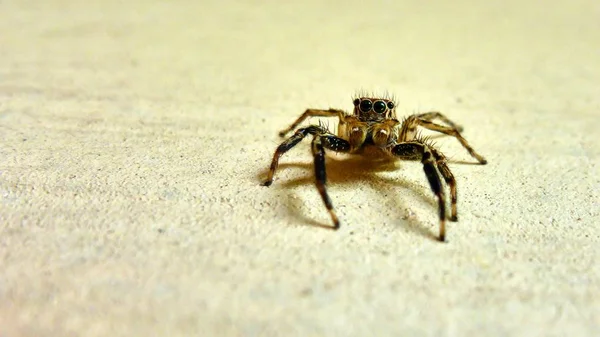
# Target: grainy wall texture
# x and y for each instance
(134, 136)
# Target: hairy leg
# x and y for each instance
(432, 115)
(454, 132)
(322, 140)
(442, 166)
(417, 150)
(314, 113)
(319, 143)
(287, 145)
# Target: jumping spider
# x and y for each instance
(373, 124)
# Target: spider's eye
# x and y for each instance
(379, 107)
(390, 105)
(366, 105)
(356, 102)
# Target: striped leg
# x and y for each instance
(319, 144)
(453, 130)
(416, 150)
(430, 116)
(442, 166)
(322, 140)
(313, 113)
(287, 145)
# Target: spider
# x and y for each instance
(373, 124)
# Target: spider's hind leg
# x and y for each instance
(425, 120)
(431, 115)
(313, 113)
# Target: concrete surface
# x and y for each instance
(133, 138)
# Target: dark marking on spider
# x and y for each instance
(373, 124)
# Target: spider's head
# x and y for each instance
(373, 109)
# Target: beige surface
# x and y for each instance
(133, 138)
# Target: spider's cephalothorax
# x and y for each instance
(374, 124)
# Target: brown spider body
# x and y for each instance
(373, 124)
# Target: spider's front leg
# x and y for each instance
(319, 143)
(287, 145)
(322, 140)
(442, 166)
(417, 150)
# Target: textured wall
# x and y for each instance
(134, 136)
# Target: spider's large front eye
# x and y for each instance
(379, 107)
(366, 105)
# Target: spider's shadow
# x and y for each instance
(350, 170)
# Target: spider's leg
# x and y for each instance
(416, 150)
(313, 113)
(287, 145)
(319, 143)
(442, 166)
(431, 115)
(454, 132)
